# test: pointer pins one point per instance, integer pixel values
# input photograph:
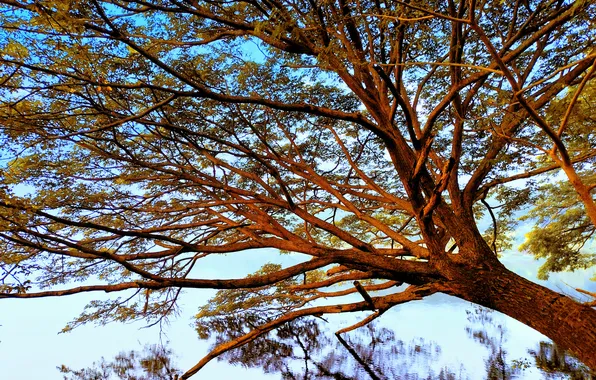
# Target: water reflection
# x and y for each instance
(554, 361)
(550, 359)
(308, 349)
(486, 332)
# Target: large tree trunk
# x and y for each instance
(569, 324)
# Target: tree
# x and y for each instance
(141, 137)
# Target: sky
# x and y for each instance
(31, 348)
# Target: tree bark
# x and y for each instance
(569, 324)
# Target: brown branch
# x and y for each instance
(492, 216)
(345, 292)
(364, 294)
(88, 288)
(440, 187)
(422, 157)
(334, 280)
(430, 12)
(361, 323)
(532, 173)
(574, 99)
(244, 283)
(402, 19)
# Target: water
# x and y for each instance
(482, 346)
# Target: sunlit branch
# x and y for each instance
(440, 187)
(431, 12)
(164, 282)
(403, 19)
(578, 91)
(449, 64)
(422, 158)
(533, 173)
(87, 288)
(356, 275)
(345, 292)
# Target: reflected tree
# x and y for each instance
(553, 361)
(484, 330)
(305, 349)
(154, 362)
(550, 359)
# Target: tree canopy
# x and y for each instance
(369, 138)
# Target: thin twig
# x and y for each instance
(492, 216)
(574, 100)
